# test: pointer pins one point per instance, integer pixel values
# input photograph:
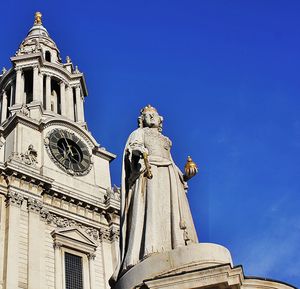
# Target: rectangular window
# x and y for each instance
(73, 271)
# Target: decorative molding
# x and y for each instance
(111, 234)
(114, 234)
(57, 245)
(72, 127)
(105, 234)
(61, 222)
(91, 256)
(14, 198)
(34, 205)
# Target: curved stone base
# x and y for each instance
(196, 256)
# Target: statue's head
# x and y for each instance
(149, 117)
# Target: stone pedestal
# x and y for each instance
(196, 266)
(182, 259)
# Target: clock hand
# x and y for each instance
(69, 147)
(74, 159)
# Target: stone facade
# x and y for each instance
(47, 207)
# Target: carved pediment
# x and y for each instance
(74, 238)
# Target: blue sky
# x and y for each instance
(225, 76)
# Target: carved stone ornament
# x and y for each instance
(14, 198)
(28, 158)
(57, 245)
(91, 256)
(34, 205)
(61, 222)
(24, 110)
(114, 234)
(112, 194)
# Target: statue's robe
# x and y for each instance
(155, 214)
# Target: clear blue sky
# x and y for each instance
(225, 76)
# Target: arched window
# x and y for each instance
(48, 56)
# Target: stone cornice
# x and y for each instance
(31, 183)
(17, 118)
(104, 153)
(109, 203)
(105, 228)
(26, 57)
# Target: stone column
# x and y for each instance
(79, 104)
(34, 244)
(19, 86)
(58, 265)
(69, 103)
(36, 84)
(91, 258)
(48, 92)
(12, 94)
(14, 202)
(41, 86)
(4, 106)
(62, 98)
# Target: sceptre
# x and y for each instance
(148, 172)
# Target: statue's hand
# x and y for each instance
(190, 169)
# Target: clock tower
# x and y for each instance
(59, 215)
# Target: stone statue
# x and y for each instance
(30, 156)
(155, 214)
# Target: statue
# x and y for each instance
(155, 214)
(30, 156)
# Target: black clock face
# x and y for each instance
(69, 151)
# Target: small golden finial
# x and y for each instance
(38, 18)
(190, 168)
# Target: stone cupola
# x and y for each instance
(39, 83)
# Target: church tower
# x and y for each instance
(59, 215)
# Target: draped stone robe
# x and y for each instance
(155, 214)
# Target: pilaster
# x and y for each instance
(48, 92)
(4, 106)
(36, 84)
(34, 243)
(79, 104)
(19, 86)
(63, 98)
(14, 201)
(69, 103)
(91, 258)
(58, 265)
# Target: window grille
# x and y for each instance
(73, 271)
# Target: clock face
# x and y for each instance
(69, 151)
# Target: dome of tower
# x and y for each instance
(38, 39)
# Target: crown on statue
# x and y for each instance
(38, 18)
(148, 108)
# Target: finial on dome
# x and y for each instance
(149, 108)
(38, 18)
